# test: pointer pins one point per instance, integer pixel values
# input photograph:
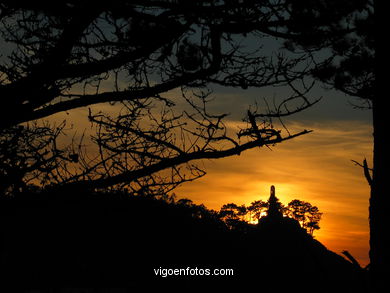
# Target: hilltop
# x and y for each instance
(110, 240)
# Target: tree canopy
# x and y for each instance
(155, 62)
(134, 55)
(305, 213)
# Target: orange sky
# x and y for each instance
(316, 168)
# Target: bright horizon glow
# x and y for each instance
(316, 168)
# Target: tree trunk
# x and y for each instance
(379, 201)
(380, 193)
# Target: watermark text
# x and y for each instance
(188, 271)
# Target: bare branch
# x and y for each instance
(366, 170)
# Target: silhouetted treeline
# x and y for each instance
(237, 216)
(115, 240)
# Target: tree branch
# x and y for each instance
(366, 170)
(130, 176)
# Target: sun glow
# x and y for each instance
(316, 168)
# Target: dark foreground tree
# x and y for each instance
(27, 153)
(154, 61)
(353, 67)
(157, 58)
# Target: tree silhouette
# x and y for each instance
(71, 55)
(105, 236)
(303, 212)
(257, 209)
(27, 154)
(358, 76)
(232, 211)
(150, 58)
(314, 218)
(307, 215)
(233, 215)
(353, 68)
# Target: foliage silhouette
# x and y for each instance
(306, 214)
(257, 209)
(113, 239)
(136, 55)
(241, 217)
(353, 68)
(58, 57)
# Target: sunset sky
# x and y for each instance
(124, 101)
(316, 167)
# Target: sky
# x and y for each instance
(316, 167)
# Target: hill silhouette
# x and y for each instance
(110, 240)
